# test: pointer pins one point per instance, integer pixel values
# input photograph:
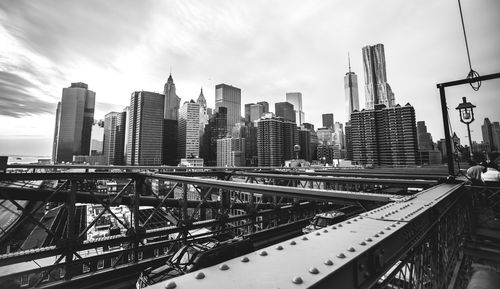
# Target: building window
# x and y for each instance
(156, 252)
(100, 264)
(25, 280)
(86, 268)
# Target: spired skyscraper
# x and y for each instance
(230, 97)
(377, 90)
(74, 119)
(170, 122)
(295, 98)
(351, 92)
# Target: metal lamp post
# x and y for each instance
(466, 111)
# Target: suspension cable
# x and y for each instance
(472, 73)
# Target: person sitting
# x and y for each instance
(474, 173)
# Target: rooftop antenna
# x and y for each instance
(349, 61)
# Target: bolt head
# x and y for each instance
(244, 259)
(351, 249)
(325, 231)
(305, 238)
(224, 267)
(328, 262)
(171, 285)
(313, 270)
(199, 275)
(341, 256)
(362, 243)
(263, 253)
(297, 280)
(293, 243)
(318, 233)
(279, 248)
(376, 235)
(369, 239)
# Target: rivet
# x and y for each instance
(381, 232)
(348, 222)
(334, 228)
(199, 275)
(369, 239)
(362, 243)
(224, 267)
(341, 256)
(313, 270)
(279, 248)
(328, 262)
(171, 285)
(297, 280)
(263, 253)
(351, 249)
(355, 220)
(393, 225)
(244, 259)
(325, 231)
(376, 235)
(340, 225)
(381, 217)
(360, 217)
(318, 233)
(305, 238)
(387, 228)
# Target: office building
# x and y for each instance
(170, 123)
(377, 90)
(325, 136)
(253, 111)
(74, 119)
(188, 145)
(114, 137)
(231, 152)
(491, 134)
(248, 131)
(285, 110)
(351, 92)
(338, 135)
(275, 140)
(305, 144)
(146, 123)
(385, 136)
(295, 98)
(425, 142)
(97, 138)
(229, 97)
(348, 141)
(214, 130)
(328, 120)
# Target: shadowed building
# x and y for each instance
(145, 139)
(214, 130)
(74, 119)
(327, 120)
(170, 123)
(114, 137)
(285, 110)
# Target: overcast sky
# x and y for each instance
(266, 48)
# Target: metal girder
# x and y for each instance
(291, 192)
(352, 254)
(328, 178)
(361, 174)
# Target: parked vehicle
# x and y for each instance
(324, 219)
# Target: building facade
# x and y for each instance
(170, 123)
(214, 130)
(74, 119)
(491, 134)
(327, 120)
(424, 138)
(351, 92)
(114, 137)
(229, 97)
(285, 110)
(377, 90)
(295, 98)
(146, 124)
(188, 145)
(231, 152)
(385, 136)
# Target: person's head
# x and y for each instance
(485, 166)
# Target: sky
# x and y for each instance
(266, 48)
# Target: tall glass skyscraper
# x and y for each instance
(145, 138)
(230, 97)
(74, 119)
(189, 130)
(114, 137)
(377, 90)
(295, 98)
(351, 92)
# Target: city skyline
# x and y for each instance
(47, 49)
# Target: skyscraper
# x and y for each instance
(145, 139)
(328, 120)
(230, 97)
(351, 91)
(385, 136)
(275, 140)
(424, 138)
(231, 152)
(214, 130)
(189, 130)
(377, 90)
(170, 123)
(285, 110)
(295, 98)
(491, 134)
(114, 137)
(75, 116)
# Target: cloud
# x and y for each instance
(16, 99)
